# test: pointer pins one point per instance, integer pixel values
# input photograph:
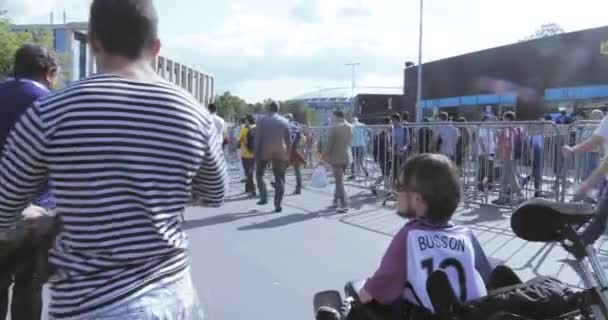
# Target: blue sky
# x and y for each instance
(281, 48)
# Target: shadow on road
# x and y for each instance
(484, 214)
(362, 198)
(224, 218)
(289, 219)
(242, 197)
(280, 221)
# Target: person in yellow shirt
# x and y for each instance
(246, 140)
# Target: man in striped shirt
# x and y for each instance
(123, 150)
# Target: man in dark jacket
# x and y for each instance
(36, 71)
(382, 154)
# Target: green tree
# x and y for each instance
(301, 112)
(11, 41)
(546, 30)
(230, 107)
(257, 108)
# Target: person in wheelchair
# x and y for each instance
(429, 194)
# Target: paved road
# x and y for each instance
(250, 263)
(256, 264)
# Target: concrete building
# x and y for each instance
(70, 42)
(534, 78)
(370, 104)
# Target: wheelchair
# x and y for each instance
(575, 226)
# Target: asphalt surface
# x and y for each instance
(251, 263)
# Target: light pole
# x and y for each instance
(406, 86)
(419, 86)
(353, 65)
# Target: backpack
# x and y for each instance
(540, 298)
(250, 139)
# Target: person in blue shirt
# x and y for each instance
(36, 70)
(360, 136)
(295, 157)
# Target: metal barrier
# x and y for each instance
(501, 163)
(578, 166)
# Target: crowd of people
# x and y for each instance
(504, 158)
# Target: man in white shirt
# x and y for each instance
(593, 143)
(599, 137)
(486, 149)
(219, 123)
(447, 136)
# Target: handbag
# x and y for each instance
(319, 178)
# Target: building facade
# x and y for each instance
(536, 77)
(369, 104)
(70, 41)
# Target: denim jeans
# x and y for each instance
(278, 170)
(176, 300)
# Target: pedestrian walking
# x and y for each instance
(509, 142)
(272, 142)
(296, 159)
(23, 262)
(338, 155)
(382, 154)
(246, 140)
(124, 150)
(486, 151)
(219, 124)
(593, 143)
(360, 134)
(537, 142)
(425, 137)
(447, 137)
(238, 131)
(400, 145)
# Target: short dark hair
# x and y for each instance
(548, 117)
(212, 108)
(274, 106)
(435, 177)
(250, 119)
(405, 116)
(461, 119)
(124, 27)
(386, 120)
(444, 116)
(509, 115)
(396, 117)
(339, 114)
(34, 61)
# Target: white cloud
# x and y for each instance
(282, 87)
(39, 11)
(267, 48)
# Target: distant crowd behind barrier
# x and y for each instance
(502, 163)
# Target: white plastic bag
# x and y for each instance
(319, 178)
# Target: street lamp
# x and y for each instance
(353, 65)
(419, 87)
(406, 94)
